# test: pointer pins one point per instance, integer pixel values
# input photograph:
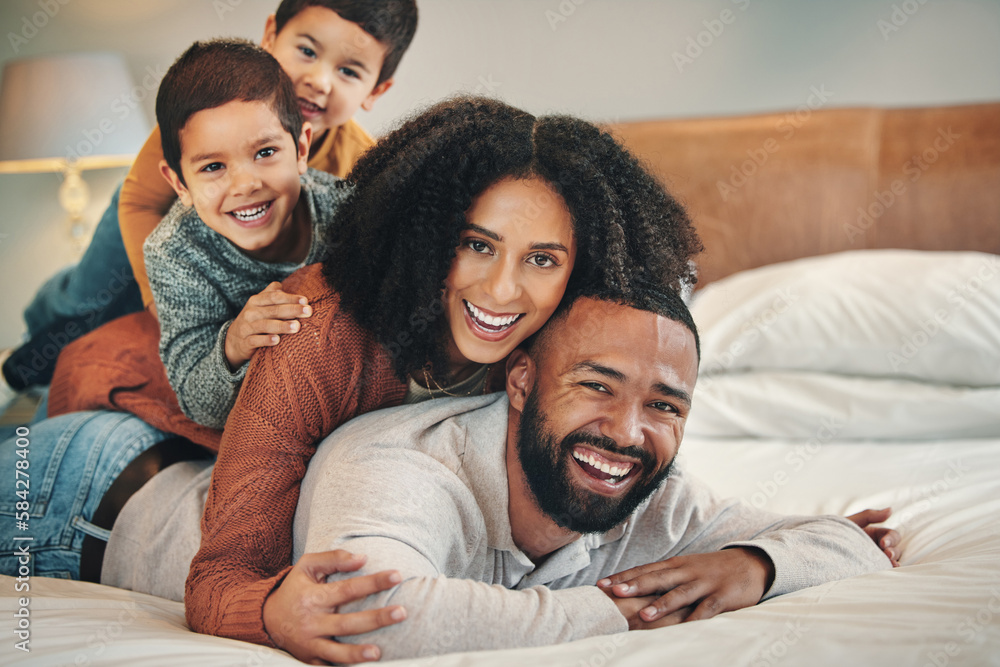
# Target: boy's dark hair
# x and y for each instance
(392, 22)
(210, 74)
(413, 188)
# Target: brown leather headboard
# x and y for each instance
(769, 188)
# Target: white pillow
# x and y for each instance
(822, 407)
(907, 314)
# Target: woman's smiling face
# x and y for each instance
(510, 270)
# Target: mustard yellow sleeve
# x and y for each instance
(341, 148)
(145, 199)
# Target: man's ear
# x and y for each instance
(270, 34)
(520, 378)
(305, 141)
(376, 93)
(175, 182)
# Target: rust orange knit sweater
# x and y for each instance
(293, 396)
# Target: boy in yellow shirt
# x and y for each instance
(341, 56)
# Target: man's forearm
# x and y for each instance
(452, 615)
(805, 550)
(810, 551)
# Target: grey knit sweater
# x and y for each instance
(423, 489)
(200, 283)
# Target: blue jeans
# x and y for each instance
(76, 300)
(71, 462)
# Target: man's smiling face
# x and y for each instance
(610, 392)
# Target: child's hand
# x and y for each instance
(886, 538)
(262, 320)
(709, 583)
(301, 614)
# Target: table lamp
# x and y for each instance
(68, 113)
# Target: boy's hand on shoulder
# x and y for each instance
(262, 321)
(301, 614)
(704, 584)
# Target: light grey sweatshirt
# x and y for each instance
(423, 489)
(200, 283)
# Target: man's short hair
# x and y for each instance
(641, 295)
(210, 74)
(392, 22)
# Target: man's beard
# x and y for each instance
(545, 463)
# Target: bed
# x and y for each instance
(849, 308)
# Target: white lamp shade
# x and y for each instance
(71, 106)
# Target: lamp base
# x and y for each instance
(74, 196)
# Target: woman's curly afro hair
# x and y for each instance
(398, 231)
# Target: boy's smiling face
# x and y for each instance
(241, 170)
(333, 63)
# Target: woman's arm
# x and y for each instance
(294, 395)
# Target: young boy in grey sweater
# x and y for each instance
(249, 213)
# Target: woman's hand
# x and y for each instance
(301, 614)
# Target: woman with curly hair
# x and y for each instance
(464, 229)
(413, 193)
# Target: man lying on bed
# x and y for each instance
(556, 511)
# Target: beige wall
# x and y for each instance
(601, 59)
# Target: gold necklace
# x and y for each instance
(428, 379)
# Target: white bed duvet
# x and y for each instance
(822, 448)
